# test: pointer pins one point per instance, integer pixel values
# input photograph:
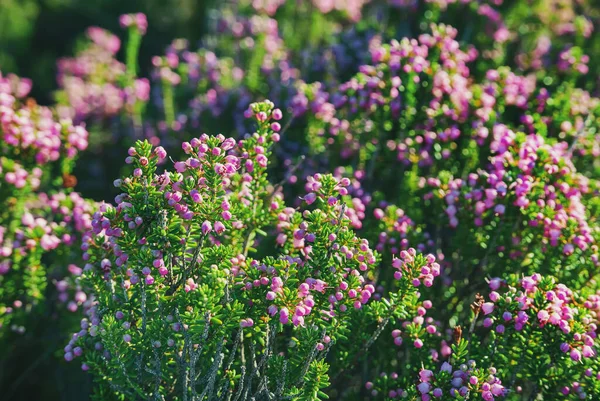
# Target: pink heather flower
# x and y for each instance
(277, 114)
(497, 389)
(180, 167)
(161, 153)
(588, 351)
(298, 320)
(568, 249)
(262, 160)
(310, 198)
(500, 209)
(284, 316)
(487, 308)
(195, 195)
(125, 20)
(261, 116)
(495, 283)
(425, 375)
(206, 227)
(528, 283)
(228, 144)
(219, 227)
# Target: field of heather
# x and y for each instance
(299, 200)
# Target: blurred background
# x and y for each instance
(35, 33)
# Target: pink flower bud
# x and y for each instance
(206, 227)
(310, 198)
(219, 227)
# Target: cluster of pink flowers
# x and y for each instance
(352, 116)
(191, 87)
(33, 143)
(417, 271)
(352, 290)
(33, 130)
(420, 326)
(511, 191)
(569, 59)
(181, 68)
(93, 85)
(295, 309)
(532, 305)
(138, 20)
(463, 381)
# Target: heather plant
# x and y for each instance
(204, 280)
(42, 219)
(545, 223)
(416, 119)
(94, 85)
(526, 310)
